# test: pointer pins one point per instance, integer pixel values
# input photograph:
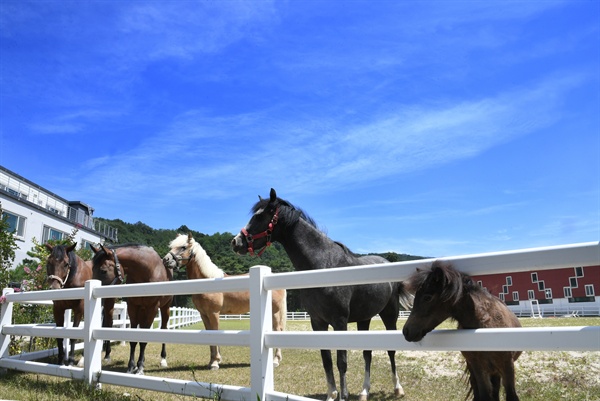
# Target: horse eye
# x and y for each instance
(427, 298)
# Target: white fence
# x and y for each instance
(262, 340)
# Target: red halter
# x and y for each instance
(267, 233)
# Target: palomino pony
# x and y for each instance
(141, 264)
(65, 269)
(309, 249)
(442, 292)
(185, 251)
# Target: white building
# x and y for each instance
(35, 212)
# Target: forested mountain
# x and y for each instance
(218, 247)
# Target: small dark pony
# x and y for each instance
(443, 292)
(65, 269)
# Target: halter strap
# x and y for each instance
(119, 276)
(179, 259)
(267, 233)
(59, 279)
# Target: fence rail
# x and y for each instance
(262, 340)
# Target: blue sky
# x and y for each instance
(433, 128)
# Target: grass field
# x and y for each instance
(425, 376)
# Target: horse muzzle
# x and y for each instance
(238, 244)
(169, 261)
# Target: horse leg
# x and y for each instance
(141, 359)
(332, 392)
(367, 356)
(211, 322)
(342, 365)
(59, 319)
(279, 319)
(132, 310)
(390, 320)
(78, 316)
(509, 381)
(165, 314)
(108, 305)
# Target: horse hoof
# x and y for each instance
(80, 363)
(275, 364)
(363, 397)
(107, 360)
(399, 392)
(163, 363)
(140, 372)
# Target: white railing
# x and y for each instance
(262, 340)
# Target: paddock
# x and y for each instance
(261, 340)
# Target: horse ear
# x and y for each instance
(48, 247)
(273, 195)
(437, 272)
(71, 248)
(94, 249)
(190, 238)
(105, 249)
(260, 198)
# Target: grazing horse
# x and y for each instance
(442, 292)
(309, 249)
(65, 269)
(185, 251)
(140, 264)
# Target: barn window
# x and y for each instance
(589, 290)
(541, 285)
(509, 280)
(505, 289)
(515, 295)
(534, 278)
(567, 291)
(530, 294)
(501, 296)
(579, 272)
(548, 293)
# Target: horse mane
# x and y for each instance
(454, 285)
(292, 214)
(205, 264)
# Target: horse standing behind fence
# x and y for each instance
(185, 251)
(309, 249)
(442, 292)
(140, 264)
(65, 269)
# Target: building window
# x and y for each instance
(530, 294)
(568, 293)
(505, 289)
(480, 283)
(534, 278)
(50, 233)
(541, 285)
(515, 295)
(579, 272)
(589, 290)
(509, 280)
(501, 296)
(16, 224)
(548, 293)
(86, 244)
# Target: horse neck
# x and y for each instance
(135, 266)
(79, 274)
(466, 313)
(201, 266)
(309, 249)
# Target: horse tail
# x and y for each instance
(404, 295)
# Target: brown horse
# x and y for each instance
(442, 292)
(185, 251)
(140, 264)
(65, 269)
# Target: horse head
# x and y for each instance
(106, 266)
(180, 253)
(258, 233)
(58, 265)
(436, 291)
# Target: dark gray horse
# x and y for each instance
(309, 249)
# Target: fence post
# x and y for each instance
(92, 365)
(261, 357)
(5, 318)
